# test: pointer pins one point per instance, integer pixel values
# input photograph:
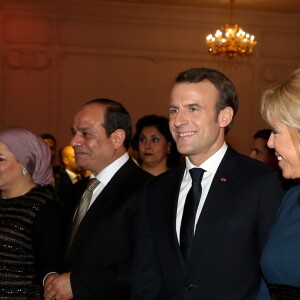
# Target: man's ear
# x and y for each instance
(225, 116)
(65, 160)
(118, 138)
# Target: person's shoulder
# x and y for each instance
(137, 172)
(45, 196)
(291, 198)
(80, 184)
(169, 176)
(57, 170)
(293, 192)
(251, 164)
(46, 192)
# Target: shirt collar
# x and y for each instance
(71, 174)
(107, 173)
(211, 164)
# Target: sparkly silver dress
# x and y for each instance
(30, 242)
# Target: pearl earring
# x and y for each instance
(24, 171)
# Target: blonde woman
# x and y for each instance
(280, 259)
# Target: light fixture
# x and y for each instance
(231, 40)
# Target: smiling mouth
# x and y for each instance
(184, 134)
(279, 157)
(77, 154)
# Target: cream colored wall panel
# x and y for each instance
(132, 36)
(27, 59)
(272, 74)
(27, 30)
(27, 99)
(242, 76)
(280, 44)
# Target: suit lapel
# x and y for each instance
(109, 194)
(163, 204)
(175, 195)
(222, 182)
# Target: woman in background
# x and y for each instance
(156, 148)
(30, 218)
(281, 255)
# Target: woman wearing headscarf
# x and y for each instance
(30, 216)
(280, 258)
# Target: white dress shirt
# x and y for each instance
(73, 176)
(106, 175)
(210, 166)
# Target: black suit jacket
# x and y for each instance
(230, 234)
(63, 185)
(100, 257)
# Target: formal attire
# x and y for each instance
(63, 182)
(101, 252)
(30, 242)
(239, 200)
(280, 258)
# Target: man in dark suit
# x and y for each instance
(239, 199)
(99, 253)
(68, 174)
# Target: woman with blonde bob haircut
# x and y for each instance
(280, 259)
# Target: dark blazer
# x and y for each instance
(230, 234)
(63, 185)
(100, 257)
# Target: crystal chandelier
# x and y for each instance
(231, 40)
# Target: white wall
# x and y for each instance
(56, 55)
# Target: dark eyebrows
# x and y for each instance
(193, 105)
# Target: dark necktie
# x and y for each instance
(189, 214)
(83, 207)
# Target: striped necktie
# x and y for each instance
(83, 207)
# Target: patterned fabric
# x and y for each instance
(284, 292)
(83, 207)
(17, 259)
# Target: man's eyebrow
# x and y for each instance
(81, 129)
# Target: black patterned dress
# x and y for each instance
(30, 242)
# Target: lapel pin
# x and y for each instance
(223, 179)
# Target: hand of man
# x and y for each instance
(58, 287)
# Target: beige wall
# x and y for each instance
(56, 55)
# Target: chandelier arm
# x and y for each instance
(231, 12)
